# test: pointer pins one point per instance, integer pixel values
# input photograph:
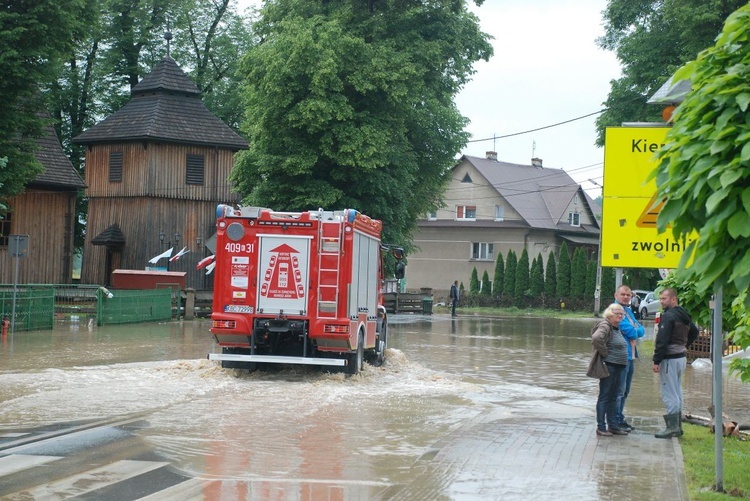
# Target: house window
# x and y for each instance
(482, 250)
(467, 178)
(574, 218)
(499, 213)
(5, 228)
(195, 168)
(432, 216)
(115, 166)
(466, 212)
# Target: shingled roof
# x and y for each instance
(540, 195)
(165, 106)
(58, 172)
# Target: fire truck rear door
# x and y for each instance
(283, 274)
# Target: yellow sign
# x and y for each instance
(630, 207)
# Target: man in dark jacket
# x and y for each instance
(676, 333)
(454, 298)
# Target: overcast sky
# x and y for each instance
(546, 69)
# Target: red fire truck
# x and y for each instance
(299, 288)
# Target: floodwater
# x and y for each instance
(293, 433)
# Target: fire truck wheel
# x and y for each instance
(378, 353)
(357, 359)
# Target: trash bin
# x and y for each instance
(427, 306)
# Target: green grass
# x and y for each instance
(698, 452)
(516, 312)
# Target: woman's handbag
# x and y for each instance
(597, 367)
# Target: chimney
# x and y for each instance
(492, 155)
(536, 162)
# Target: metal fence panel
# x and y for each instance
(35, 306)
(133, 306)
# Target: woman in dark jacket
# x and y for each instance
(610, 349)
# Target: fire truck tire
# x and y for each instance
(357, 359)
(378, 353)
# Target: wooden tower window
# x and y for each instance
(195, 169)
(115, 167)
(5, 228)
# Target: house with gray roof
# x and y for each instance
(493, 206)
(156, 169)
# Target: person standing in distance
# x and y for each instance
(631, 330)
(676, 333)
(454, 298)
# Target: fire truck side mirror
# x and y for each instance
(400, 269)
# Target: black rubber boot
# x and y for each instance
(674, 426)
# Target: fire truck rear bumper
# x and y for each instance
(272, 359)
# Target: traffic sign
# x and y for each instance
(630, 206)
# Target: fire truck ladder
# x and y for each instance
(329, 263)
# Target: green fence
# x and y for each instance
(35, 306)
(133, 306)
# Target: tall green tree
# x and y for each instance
(563, 272)
(537, 277)
(486, 284)
(34, 38)
(351, 105)
(511, 263)
(704, 168)
(499, 276)
(578, 274)
(652, 38)
(590, 290)
(608, 284)
(474, 281)
(522, 278)
(550, 279)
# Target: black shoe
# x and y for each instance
(625, 426)
(617, 431)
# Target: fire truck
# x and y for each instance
(299, 288)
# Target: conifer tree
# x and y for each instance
(509, 287)
(537, 277)
(578, 274)
(522, 278)
(499, 277)
(550, 279)
(474, 282)
(563, 272)
(486, 289)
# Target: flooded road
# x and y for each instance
(298, 433)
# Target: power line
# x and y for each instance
(538, 128)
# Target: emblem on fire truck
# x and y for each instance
(282, 278)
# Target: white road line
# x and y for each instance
(19, 462)
(91, 480)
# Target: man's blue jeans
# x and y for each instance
(629, 370)
(610, 393)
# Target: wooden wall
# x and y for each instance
(47, 217)
(158, 170)
(153, 197)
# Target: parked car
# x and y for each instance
(649, 305)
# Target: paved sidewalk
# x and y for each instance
(500, 457)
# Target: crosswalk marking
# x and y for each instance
(19, 462)
(89, 481)
(184, 491)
